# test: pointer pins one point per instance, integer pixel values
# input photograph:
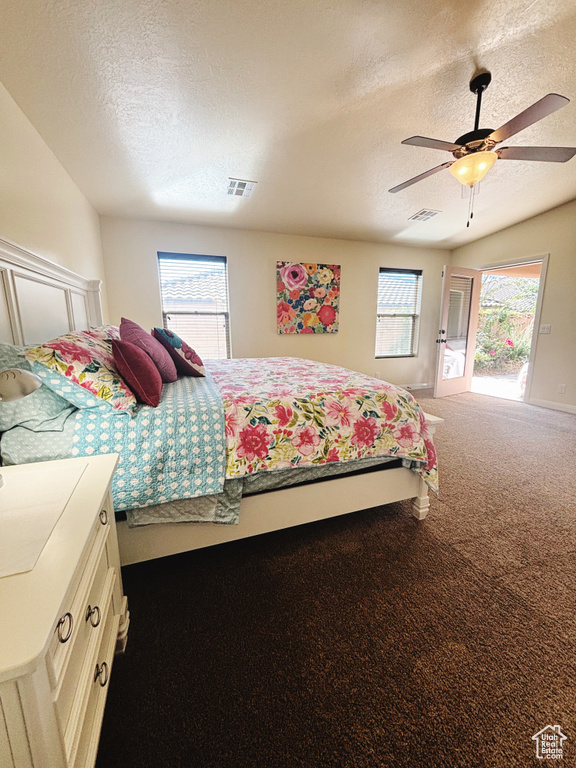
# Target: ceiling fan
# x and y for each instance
(475, 151)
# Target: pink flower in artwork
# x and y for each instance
(510, 342)
(306, 441)
(339, 412)
(492, 352)
(284, 313)
(365, 431)
(71, 352)
(307, 329)
(284, 414)
(253, 442)
(320, 292)
(390, 409)
(406, 435)
(327, 314)
(294, 276)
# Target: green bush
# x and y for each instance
(502, 344)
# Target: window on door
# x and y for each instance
(398, 314)
(195, 301)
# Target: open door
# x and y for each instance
(457, 335)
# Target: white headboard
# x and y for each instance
(40, 300)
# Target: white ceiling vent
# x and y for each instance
(424, 215)
(241, 187)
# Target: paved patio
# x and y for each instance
(505, 386)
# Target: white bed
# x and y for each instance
(40, 300)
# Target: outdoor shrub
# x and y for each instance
(505, 334)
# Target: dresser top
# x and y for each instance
(30, 602)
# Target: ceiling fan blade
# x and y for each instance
(548, 104)
(425, 175)
(422, 141)
(543, 154)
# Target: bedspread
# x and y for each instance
(284, 412)
(174, 451)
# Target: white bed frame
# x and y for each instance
(40, 300)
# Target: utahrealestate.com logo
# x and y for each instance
(549, 743)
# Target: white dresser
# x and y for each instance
(61, 622)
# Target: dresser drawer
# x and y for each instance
(99, 677)
(71, 622)
(90, 617)
(75, 725)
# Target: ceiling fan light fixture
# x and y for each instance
(472, 168)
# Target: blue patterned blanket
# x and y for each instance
(174, 451)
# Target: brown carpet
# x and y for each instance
(371, 639)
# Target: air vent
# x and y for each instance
(424, 215)
(241, 187)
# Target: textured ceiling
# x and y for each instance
(151, 105)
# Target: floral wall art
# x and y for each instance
(308, 297)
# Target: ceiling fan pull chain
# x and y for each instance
(471, 205)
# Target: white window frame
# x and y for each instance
(415, 328)
(196, 257)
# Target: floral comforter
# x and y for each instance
(283, 412)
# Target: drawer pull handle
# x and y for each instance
(93, 615)
(103, 516)
(66, 621)
(102, 673)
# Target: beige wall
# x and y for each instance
(552, 233)
(41, 209)
(130, 248)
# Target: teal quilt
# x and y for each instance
(174, 451)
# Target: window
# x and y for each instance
(195, 301)
(398, 315)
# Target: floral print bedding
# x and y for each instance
(79, 366)
(285, 412)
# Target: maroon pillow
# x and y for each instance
(188, 363)
(132, 332)
(138, 371)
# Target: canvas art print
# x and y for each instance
(308, 297)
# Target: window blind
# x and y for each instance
(398, 313)
(195, 301)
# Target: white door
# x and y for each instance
(457, 335)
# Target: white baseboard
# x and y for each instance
(551, 404)
(411, 387)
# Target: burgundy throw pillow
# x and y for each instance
(132, 332)
(187, 362)
(138, 371)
